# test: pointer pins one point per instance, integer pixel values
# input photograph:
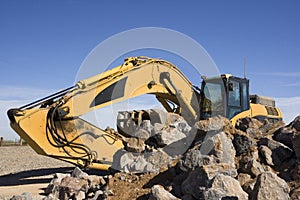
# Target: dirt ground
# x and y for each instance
(23, 170)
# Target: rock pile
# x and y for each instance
(253, 160)
(78, 185)
(157, 139)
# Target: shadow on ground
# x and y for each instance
(38, 176)
(35, 176)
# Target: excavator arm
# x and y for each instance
(52, 126)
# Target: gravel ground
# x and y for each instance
(23, 170)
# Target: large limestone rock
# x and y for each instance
(270, 186)
(296, 144)
(295, 123)
(225, 187)
(199, 179)
(242, 143)
(249, 163)
(71, 187)
(195, 184)
(279, 150)
(216, 151)
(219, 146)
(285, 135)
(159, 193)
(213, 124)
(24, 196)
(247, 122)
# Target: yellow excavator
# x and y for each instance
(52, 125)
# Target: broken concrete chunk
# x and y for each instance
(78, 173)
(195, 183)
(159, 193)
(135, 145)
(212, 124)
(270, 186)
(193, 159)
(219, 146)
(296, 144)
(224, 187)
(295, 123)
(24, 196)
(247, 122)
(270, 128)
(210, 171)
(285, 136)
(243, 178)
(168, 136)
(267, 155)
(282, 152)
(71, 187)
(241, 143)
(249, 186)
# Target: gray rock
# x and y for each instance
(24, 196)
(225, 186)
(247, 122)
(121, 160)
(296, 144)
(157, 128)
(135, 145)
(268, 156)
(71, 187)
(241, 143)
(295, 193)
(217, 149)
(139, 164)
(270, 128)
(270, 186)
(254, 133)
(219, 146)
(195, 184)
(254, 168)
(214, 193)
(243, 178)
(187, 197)
(53, 186)
(199, 179)
(94, 180)
(78, 173)
(212, 124)
(249, 164)
(169, 136)
(285, 136)
(282, 152)
(193, 159)
(98, 195)
(156, 160)
(159, 193)
(158, 116)
(249, 187)
(210, 171)
(295, 123)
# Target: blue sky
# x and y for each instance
(43, 43)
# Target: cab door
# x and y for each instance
(237, 96)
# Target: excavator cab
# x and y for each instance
(226, 95)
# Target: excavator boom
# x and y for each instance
(52, 126)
